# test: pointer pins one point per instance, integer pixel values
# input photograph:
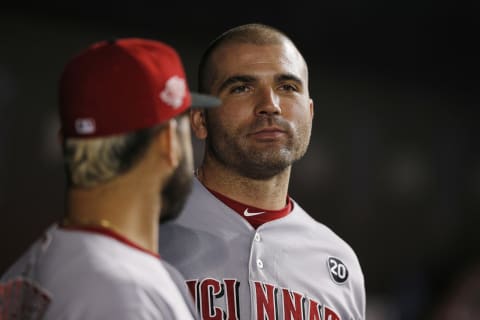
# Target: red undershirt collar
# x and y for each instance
(255, 216)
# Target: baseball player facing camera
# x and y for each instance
(128, 160)
(247, 249)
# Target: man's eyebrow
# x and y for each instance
(235, 79)
(288, 77)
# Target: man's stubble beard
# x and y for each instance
(232, 150)
(176, 191)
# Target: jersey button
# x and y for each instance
(260, 263)
(257, 237)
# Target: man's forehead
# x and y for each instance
(283, 52)
(272, 60)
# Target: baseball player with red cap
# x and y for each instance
(246, 248)
(128, 160)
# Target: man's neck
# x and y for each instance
(269, 193)
(130, 212)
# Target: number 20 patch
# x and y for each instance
(338, 270)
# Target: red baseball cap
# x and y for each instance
(119, 86)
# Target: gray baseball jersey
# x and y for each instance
(289, 268)
(73, 274)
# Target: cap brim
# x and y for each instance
(204, 101)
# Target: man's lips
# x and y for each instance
(269, 133)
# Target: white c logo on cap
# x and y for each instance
(85, 126)
(174, 92)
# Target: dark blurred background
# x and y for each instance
(393, 166)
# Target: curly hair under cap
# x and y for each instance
(90, 162)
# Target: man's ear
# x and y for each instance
(168, 144)
(198, 123)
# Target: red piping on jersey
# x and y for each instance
(112, 234)
(257, 219)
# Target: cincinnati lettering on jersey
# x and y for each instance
(219, 300)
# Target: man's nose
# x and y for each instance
(268, 102)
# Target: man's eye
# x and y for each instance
(239, 89)
(288, 87)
